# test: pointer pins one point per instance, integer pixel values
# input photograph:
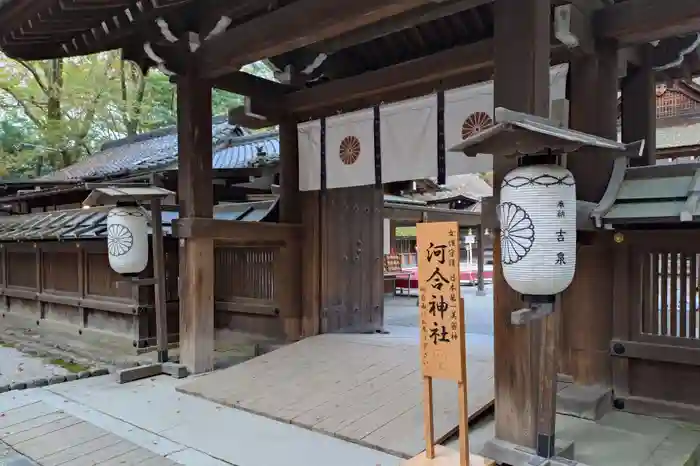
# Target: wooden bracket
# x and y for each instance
(137, 281)
(536, 311)
(572, 27)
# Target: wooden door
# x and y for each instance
(351, 260)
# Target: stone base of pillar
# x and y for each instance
(508, 453)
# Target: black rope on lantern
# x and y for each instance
(377, 147)
(323, 154)
(441, 162)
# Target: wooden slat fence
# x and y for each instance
(257, 275)
(671, 295)
(656, 324)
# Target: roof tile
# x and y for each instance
(232, 148)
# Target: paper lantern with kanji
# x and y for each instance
(537, 214)
(127, 240)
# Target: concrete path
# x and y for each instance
(152, 416)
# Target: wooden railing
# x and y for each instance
(245, 279)
(671, 295)
(656, 323)
(257, 273)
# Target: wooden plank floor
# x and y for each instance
(51, 437)
(362, 388)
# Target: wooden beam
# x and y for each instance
(238, 82)
(572, 26)
(195, 192)
(587, 305)
(639, 21)
(593, 83)
(524, 380)
(311, 265)
(248, 85)
(408, 19)
(444, 70)
(290, 213)
(236, 232)
(639, 107)
(291, 27)
(20, 12)
(398, 94)
(457, 60)
(412, 214)
(290, 201)
(240, 116)
(676, 152)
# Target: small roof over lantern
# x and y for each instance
(516, 134)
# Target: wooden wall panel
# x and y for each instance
(21, 271)
(60, 271)
(101, 280)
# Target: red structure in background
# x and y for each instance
(465, 277)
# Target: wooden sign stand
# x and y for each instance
(443, 349)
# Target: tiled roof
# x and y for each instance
(158, 150)
(686, 134)
(92, 223)
(683, 134)
(652, 193)
(471, 186)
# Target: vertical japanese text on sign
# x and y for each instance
(441, 316)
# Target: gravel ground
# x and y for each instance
(18, 367)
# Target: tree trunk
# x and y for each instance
(132, 110)
(54, 115)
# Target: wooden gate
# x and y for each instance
(656, 332)
(351, 260)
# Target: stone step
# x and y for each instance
(584, 401)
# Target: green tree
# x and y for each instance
(60, 99)
(63, 109)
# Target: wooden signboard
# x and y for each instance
(443, 351)
(441, 316)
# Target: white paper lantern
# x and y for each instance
(127, 240)
(538, 229)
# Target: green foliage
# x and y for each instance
(54, 112)
(71, 366)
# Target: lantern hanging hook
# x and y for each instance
(538, 308)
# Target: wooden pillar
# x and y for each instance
(392, 236)
(480, 261)
(290, 201)
(311, 263)
(593, 109)
(196, 200)
(639, 107)
(290, 291)
(521, 52)
(587, 303)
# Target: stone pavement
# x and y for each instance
(402, 311)
(51, 437)
(155, 422)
